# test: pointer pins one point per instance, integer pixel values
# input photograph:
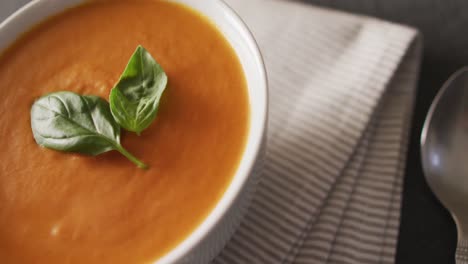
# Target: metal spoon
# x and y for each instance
(444, 151)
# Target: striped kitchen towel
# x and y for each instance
(342, 88)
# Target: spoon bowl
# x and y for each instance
(444, 149)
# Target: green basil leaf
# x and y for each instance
(134, 101)
(69, 122)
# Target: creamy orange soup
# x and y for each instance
(67, 208)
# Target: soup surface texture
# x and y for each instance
(59, 208)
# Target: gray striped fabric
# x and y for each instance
(341, 94)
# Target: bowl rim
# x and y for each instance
(254, 137)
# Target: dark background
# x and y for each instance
(427, 233)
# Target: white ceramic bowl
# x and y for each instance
(211, 236)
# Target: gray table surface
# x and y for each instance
(427, 233)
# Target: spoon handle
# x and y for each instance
(461, 254)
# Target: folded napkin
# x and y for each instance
(341, 95)
(342, 88)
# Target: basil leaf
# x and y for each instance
(69, 122)
(134, 101)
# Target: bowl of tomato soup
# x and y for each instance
(204, 149)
